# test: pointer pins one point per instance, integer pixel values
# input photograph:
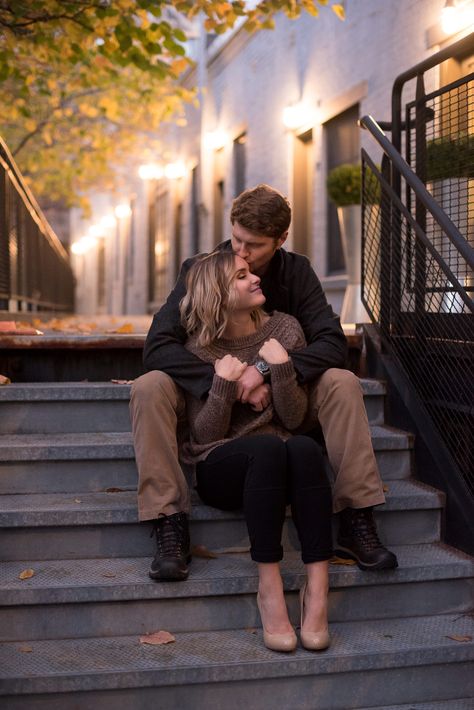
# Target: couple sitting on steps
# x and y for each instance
(247, 351)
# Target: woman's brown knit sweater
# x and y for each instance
(221, 418)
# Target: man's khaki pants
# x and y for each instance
(157, 406)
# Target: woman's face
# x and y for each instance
(247, 294)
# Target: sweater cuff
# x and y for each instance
(224, 389)
(283, 371)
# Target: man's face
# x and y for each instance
(256, 249)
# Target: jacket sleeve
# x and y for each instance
(326, 342)
(210, 421)
(164, 346)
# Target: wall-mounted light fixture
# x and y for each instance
(175, 171)
(123, 211)
(298, 115)
(150, 171)
(215, 140)
(456, 15)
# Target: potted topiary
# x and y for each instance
(344, 189)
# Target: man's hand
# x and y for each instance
(273, 352)
(260, 398)
(247, 382)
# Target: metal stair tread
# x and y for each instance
(89, 445)
(38, 509)
(86, 580)
(64, 391)
(200, 657)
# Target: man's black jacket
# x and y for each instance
(290, 286)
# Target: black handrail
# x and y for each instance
(450, 229)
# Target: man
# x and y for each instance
(260, 220)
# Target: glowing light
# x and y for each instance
(174, 171)
(95, 231)
(123, 211)
(298, 115)
(215, 140)
(150, 171)
(107, 222)
(449, 17)
(456, 16)
(83, 245)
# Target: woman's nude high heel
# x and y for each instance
(277, 642)
(312, 640)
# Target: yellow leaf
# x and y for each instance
(202, 551)
(157, 638)
(125, 328)
(26, 574)
(461, 639)
(339, 10)
(5, 380)
(25, 649)
(341, 561)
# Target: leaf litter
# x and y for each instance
(157, 638)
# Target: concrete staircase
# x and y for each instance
(70, 633)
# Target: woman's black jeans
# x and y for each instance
(261, 474)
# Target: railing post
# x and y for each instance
(4, 248)
(420, 209)
(385, 253)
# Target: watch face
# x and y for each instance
(262, 367)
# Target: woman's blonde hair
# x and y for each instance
(209, 299)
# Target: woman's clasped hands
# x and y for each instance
(229, 368)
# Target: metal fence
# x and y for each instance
(35, 273)
(425, 314)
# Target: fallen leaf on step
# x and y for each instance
(231, 550)
(461, 639)
(125, 328)
(25, 649)
(26, 574)
(251, 630)
(122, 382)
(5, 380)
(157, 638)
(108, 574)
(202, 551)
(114, 489)
(385, 489)
(341, 561)
(77, 500)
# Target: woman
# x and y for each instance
(249, 459)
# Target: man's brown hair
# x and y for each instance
(262, 210)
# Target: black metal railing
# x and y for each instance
(35, 273)
(418, 256)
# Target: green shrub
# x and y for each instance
(344, 185)
(450, 158)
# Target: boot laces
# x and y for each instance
(170, 536)
(363, 526)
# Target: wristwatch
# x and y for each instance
(263, 368)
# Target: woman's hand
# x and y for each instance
(273, 352)
(229, 367)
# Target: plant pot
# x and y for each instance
(353, 310)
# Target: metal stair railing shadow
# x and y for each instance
(418, 267)
(35, 272)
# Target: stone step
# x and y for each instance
(461, 704)
(114, 597)
(398, 660)
(34, 463)
(61, 526)
(68, 407)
